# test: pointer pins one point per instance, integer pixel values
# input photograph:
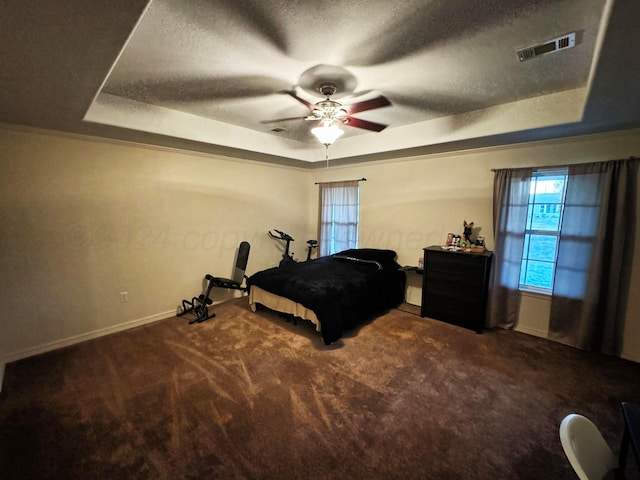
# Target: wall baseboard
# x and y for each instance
(543, 334)
(531, 331)
(631, 358)
(65, 342)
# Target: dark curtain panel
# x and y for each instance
(594, 256)
(510, 202)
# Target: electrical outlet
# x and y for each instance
(124, 297)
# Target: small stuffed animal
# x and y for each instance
(466, 235)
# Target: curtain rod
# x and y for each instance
(355, 180)
(561, 166)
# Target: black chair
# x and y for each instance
(199, 305)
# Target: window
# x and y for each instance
(542, 231)
(579, 254)
(339, 216)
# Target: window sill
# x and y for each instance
(535, 292)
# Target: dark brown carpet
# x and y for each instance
(249, 395)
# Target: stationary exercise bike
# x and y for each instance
(287, 258)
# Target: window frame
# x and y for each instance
(544, 208)
(331, 224)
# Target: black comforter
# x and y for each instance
(343, 290)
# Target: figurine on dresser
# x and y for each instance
(466, 234)
(468, 243)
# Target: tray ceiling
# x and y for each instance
(211, 75)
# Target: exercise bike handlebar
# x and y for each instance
(281, 236)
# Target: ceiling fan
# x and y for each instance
(329, 112)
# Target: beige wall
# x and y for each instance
(84, 219)
(408, 204)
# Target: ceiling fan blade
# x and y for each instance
(195, 89)
(377, 102)
(440, 104)
(256, 18)
(425, 25)
(365, 124)
(301, 100)
(287, 119)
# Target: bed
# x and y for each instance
(335, 292)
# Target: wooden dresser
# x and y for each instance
(455, 287)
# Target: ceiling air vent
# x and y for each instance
(560, 43)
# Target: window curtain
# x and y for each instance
(510, 202)
(338, 216)
(594, 256)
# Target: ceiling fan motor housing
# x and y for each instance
(328, 89)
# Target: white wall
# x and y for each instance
(85, 219)
(408, 204)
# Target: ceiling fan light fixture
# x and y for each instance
(327, 134)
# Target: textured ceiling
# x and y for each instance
(211, 75)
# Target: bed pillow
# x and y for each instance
(386, 258)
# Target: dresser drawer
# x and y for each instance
(456, 263)
(456, 283)
(454, 314)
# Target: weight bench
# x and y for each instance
(199, 306)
